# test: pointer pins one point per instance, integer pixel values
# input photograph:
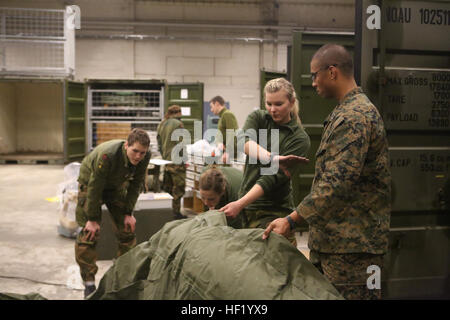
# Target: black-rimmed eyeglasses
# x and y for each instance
(314, 74)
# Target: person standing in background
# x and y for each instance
(227, 121)
(174, 181)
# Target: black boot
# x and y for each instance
(88, 290)
(178, 216)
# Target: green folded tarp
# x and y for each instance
(15, 296)
(203, 258)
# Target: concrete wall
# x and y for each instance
(318, 13)
(226, 67)
(7, 118)
(103, 59)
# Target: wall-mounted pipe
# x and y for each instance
(87, 23)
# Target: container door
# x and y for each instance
(406, 75)
(264, 77)
(74, 121)
(313, 108)
(189, 96)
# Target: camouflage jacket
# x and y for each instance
(348, 208)
(165, 130)
(108, 174)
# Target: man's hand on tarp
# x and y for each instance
(280, 226)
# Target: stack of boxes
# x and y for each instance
(154, 144)
(106, 131)
(192, 200)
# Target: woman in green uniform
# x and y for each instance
(174, 174)
(220, 186)
(264, 197)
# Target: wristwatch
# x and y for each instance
(291, 222)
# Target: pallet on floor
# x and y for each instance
(38, 158)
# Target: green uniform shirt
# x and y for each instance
(108, 173)
(233, 179)
(348, 208)
(277, 188)
(165, 142)
(227, 121)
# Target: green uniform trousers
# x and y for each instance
(85, 249)
(174, 183)
(348, 272)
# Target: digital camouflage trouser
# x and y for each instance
(174, 183)
(348, 273)
(85, 250)
(262, 218)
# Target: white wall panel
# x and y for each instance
(211, 49)
(282, 58)
(244, 61)
(190, 66)
(170, 79)
(242, 101)
(269, 53)
(104, 59)
(210, 81)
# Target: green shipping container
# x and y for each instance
(189, 96)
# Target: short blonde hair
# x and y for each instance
(278, 84)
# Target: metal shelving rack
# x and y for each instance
(36, 43)
(37, 59)
(113, 113)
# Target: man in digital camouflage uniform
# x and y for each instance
(348, 208)
(113, 173)
(174, 181)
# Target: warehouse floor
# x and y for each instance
(31, 251)
(33, 256)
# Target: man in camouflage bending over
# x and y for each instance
(113, 174)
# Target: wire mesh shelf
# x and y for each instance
(116, 108)
(36, 42)
(32, 23)
(120, 104)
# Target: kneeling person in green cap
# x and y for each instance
(113, 174)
